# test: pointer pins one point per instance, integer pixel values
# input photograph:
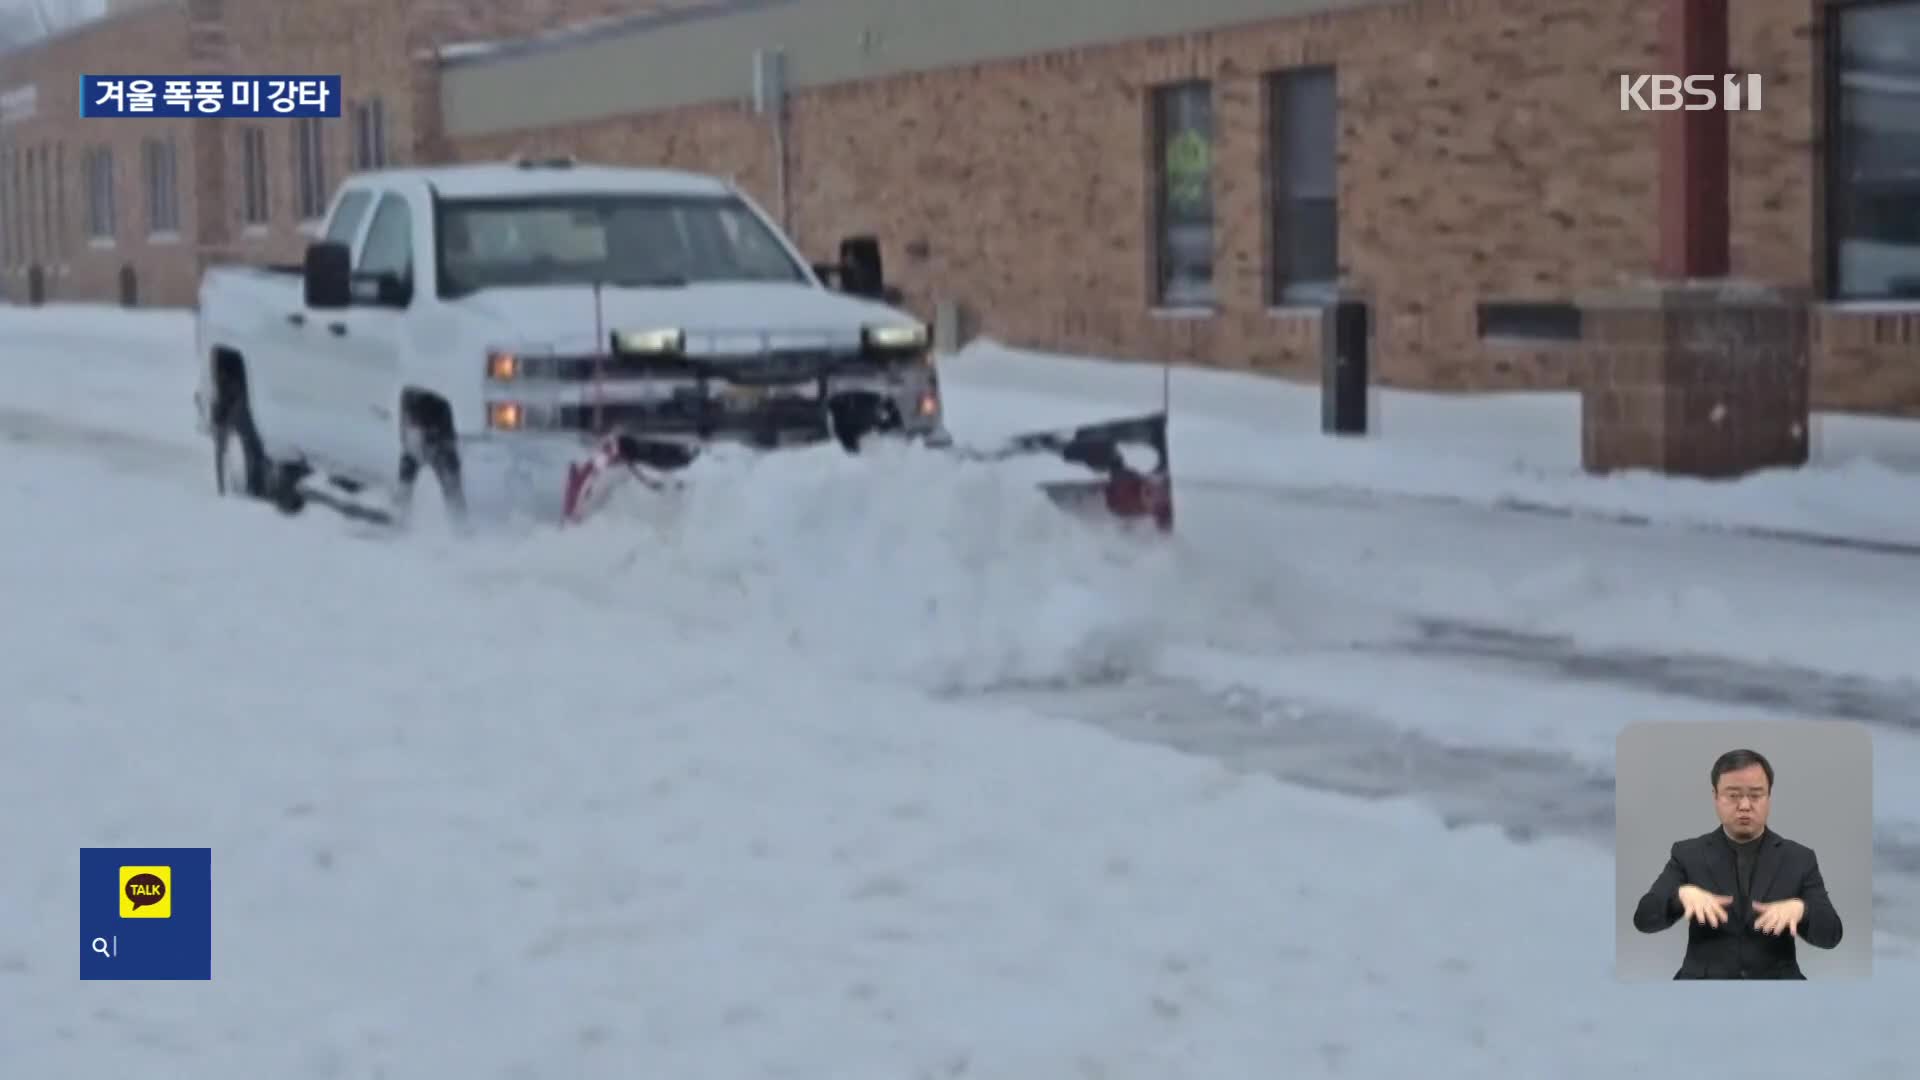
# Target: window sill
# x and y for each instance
(168, 237)
(101, 243)
(1185, 311)
(1516, 341)
(310, 228)
(1870, 307)
(255, 231)
(1300, 310)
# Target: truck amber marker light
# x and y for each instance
(505, 416)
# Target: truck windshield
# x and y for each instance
(622, 240)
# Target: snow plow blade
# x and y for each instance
(1124, 491)
(672, 405)
(1121, 490)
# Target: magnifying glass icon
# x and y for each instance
(100, 946)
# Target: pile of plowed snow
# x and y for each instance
(899, 562)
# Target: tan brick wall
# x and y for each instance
(1482, 157)
(362, 41)
(150, 41)
(1023, 186)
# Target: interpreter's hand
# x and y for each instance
(1703, 907)
(1780, 916)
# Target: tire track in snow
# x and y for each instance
(119, 449)
(1779, 687)
(1527, 793)
(1509, 504)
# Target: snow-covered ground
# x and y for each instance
(795, 780)
(1488, 449)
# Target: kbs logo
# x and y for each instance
(1695, 93)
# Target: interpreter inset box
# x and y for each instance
(1743, 850)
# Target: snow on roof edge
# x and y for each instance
(461, 53)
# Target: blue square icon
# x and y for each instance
(146, 913)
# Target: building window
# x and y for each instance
(163, 192)
(310, 167)
(49, 221)
(1527, 320)
(31, 197)
(1303, 186)
(1182, 144)
(9, 226)
(48, 229)
(16, 209)
(1873, 201)
(97, 166)
(370, 135)
(253, 175)
(63, 228)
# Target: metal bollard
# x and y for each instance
(1344, 364)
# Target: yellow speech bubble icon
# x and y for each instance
(146, 892)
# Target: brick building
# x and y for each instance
(1129, 179)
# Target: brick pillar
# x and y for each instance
(1692, 372)
(209, 52)
(1694, 212)
(1707, 379)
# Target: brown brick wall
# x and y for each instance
(1482, 157)
(1023, 186)
(151, 41)
(364, 42)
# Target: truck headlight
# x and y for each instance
(650, 342)
(895, 337)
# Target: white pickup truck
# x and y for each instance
(499, 320)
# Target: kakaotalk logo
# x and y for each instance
(1694, 93)
(145, 892)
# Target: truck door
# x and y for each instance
(308, 350)
(371, 339)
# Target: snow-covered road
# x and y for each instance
(819, 777)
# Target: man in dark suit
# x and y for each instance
(1746, 891)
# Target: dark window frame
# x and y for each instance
(160, 169)
(1528, 321)
(102, 218)
(1286, 193)
(254, 207)
(310, 169)
(1838, 189)
(370, 147)
(9, 230)
(1162, 102)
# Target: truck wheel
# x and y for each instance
(430, 446)
(240, 465)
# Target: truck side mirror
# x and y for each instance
(861, 272)
(328, 271)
